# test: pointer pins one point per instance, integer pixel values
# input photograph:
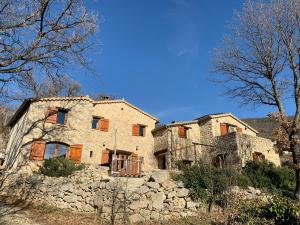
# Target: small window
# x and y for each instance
(91, 154)
(61, 116)
(95, 122)
(142, 130)
(55, 150)
(182, 132)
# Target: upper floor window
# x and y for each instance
(100, 123)
(182, 132)
(229, 128)
(95, 122)
(138, 130)
(61, 116)
(56, 116)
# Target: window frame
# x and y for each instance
(97, 124)
(62, 110)
(143, 130)
(57, 149)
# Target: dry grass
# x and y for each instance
(52, 216)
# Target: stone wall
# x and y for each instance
(240, 147)
(153, 197)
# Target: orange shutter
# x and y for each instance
(224, 128)
(239, 130)
(254, 155)
(75, 152)
(105, 157)
(37, 150)
(181, 132)
(51, 115)
(104, 124)
(135, 130)
(134, 164)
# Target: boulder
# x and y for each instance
(169, 184)
(158, 200)
(135, 218)
(138, 205)
(153, 185)
(182, 192)
(160, 176)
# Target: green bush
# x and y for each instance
(206, 182)
(61, 167)
(282, 210)
(268, 176)
(278, 210)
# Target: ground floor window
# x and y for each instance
(56, 150)
(258, 157)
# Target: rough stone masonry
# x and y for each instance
(153, 197)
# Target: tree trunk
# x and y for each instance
(295, 149)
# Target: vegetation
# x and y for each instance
(277, 210)
(267, 176)
(61, 167)
(259, 64)
(209, 183)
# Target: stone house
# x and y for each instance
(83, 130)
(219, 137)
(117, 134)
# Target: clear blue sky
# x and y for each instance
(157, 55)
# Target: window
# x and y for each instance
(229, 128)
(61, 116)
(91, 154)
(138, 130)
(182, 132)
(95, 122)
(141, 130)
(55, 150)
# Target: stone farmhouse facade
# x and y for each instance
(118, 134)
(219, 138)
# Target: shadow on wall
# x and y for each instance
(21, 138)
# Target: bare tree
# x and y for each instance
(40, 38)
(259, 60)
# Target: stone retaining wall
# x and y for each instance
(153, 197)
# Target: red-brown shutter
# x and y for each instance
(105, 157)
(181, 132)
(134, 164)
(75, 152)
(104, 124)
(239, 130)
(254, 155)
(37, 150)
(224, 128)
(135, 130)
(51, 116)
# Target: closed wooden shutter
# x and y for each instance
(37, 150)
(75, 152)
(104, 124)
(51, 115)
(105, 157)
(134, 164)
(181, 132)
(224, 128)
(239, 130)
(135, 130)
(255, 158)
